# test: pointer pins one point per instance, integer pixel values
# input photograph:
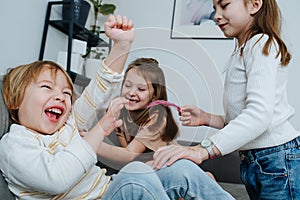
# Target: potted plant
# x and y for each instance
(98, 53)
(92, 63)
(95, 55)
(100, 8)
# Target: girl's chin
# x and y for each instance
(132, 107)
(128, 107)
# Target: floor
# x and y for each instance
(238, 191)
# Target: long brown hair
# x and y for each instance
(268, 21)
(149, 69)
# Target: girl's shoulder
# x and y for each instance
(155, 118)
(257, 42)
(258, 39)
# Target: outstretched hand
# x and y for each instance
(191, 115)
(119, 28)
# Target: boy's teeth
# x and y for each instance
(55, 110)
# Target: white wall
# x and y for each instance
(156, 14)
(195, 64)
(22, 24)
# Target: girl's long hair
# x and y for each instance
(268, 21)
(149, 69)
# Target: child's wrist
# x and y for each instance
(124, 45)
(207, 118)
(102, 129)
(203, 119)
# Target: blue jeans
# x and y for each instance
(272, 173)
(183, 179)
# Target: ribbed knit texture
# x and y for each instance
(255, 100)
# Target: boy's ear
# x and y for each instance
(13, 107)
(255, 6)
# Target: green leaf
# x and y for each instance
(95, 3)
(106, 9)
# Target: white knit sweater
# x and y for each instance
(257, 111)
(62, 165)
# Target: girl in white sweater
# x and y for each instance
(257, 111)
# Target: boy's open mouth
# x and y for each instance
(54, 113)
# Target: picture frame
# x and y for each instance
(194, 19)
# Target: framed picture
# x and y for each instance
(194, 19)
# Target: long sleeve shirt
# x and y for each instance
(61, 165)
(257, 111)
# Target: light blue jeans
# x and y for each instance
(184, 179)
(272, 173)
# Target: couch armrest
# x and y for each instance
(4, 191)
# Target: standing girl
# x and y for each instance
(257, 111)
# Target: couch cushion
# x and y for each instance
(4, 116)
(4, 126)
(5, 194)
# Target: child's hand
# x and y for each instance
(110, 120)
(190, 116)
(119, 29)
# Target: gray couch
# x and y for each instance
(5, 194)
(225, 169)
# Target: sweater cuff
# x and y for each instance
(109, 75)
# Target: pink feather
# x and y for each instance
(164, 103)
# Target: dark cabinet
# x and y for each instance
(73, 30)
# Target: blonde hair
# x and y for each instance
(268, 21)
(17, 79)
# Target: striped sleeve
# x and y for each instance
(94, 100)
